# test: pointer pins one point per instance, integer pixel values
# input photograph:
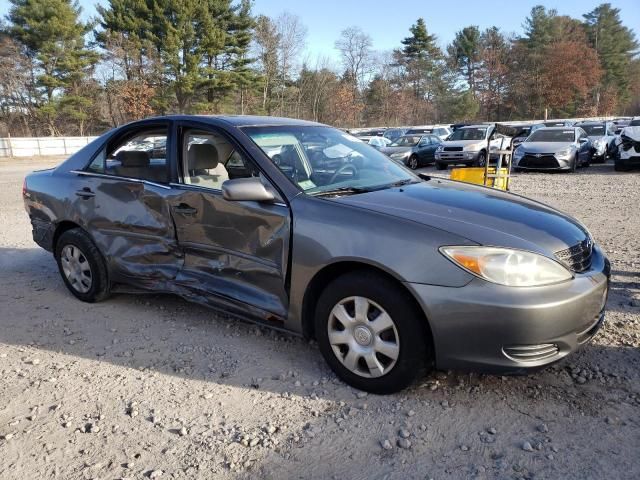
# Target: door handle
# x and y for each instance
(85, 193)
(185, 209)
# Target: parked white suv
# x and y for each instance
(468, 146)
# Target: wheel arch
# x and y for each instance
(62, 227)
(334, 270)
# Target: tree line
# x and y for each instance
(60, 75)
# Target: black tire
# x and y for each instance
(619, 167)
(481, 160)
(99, 288)
(413, 162)
(575, 164)
(441, 166)
(415, 351)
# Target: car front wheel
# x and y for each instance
(371, 334)
(81, 266)
(413, 162)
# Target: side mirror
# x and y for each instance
(246, 190)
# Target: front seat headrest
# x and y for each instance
(133, 158)
(202, 156)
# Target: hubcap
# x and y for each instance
(76, 268)
(363, 337)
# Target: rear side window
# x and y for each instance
(142, 156)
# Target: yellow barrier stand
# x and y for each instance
(476, 175)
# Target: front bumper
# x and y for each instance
(542, 161)
(492, 328)
(457, 157)
(632, 155)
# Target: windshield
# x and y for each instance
(468, 134)
(407, 141)
(334, 161)
(552, 135)
(594, 130)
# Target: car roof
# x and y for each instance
(475, 126)
(560, 128)
(242, 120)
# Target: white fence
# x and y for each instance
(38, 146)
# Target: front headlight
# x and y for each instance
(474, 147)
(440, 148)
(505, 266)
(518, 153)
(399, 155)
(564, 153)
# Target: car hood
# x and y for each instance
(544, 147)
(390, 150)
(463, 143)
(481, 215)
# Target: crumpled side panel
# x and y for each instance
(235, 249)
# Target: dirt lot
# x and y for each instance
(154, 387)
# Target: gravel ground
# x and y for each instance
(154, 387)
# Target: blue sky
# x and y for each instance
(387, 22)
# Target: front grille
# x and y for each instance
(578, 257)
(452, 149)
(543, 161)
(531, 353)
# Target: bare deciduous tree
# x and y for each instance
(292, 36)
(355, 50)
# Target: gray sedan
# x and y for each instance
(301, 227)
(554, 148)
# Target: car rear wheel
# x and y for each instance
(441, 166)
(371, 334)
(81, 266)
(413, 162)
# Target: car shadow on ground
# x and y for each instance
(165, 334)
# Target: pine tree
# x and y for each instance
(422, 62)
(464, 53)
(53, 37)
(615, 45)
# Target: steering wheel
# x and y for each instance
(343, 169)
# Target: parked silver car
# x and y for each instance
(602, 136)
(554, 148)
(302, 227)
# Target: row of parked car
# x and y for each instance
(553, 145)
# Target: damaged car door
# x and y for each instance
(122, 197)
(235, 252)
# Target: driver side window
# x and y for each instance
(209, 159)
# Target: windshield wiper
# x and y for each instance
(341, 191)
(400, 183)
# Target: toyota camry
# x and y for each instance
(304, 228)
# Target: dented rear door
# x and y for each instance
(130, 222)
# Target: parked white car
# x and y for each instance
(440, 131)
(468, 146)
(628, 153)
(379, 142)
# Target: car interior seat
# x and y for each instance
(204, 167)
